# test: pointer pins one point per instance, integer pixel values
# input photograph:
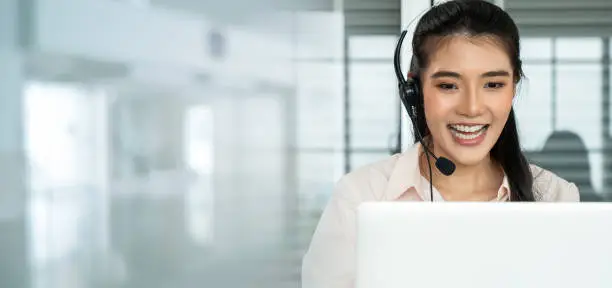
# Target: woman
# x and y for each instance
(467, 64)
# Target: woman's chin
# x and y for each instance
(469, 155)
(470, 160)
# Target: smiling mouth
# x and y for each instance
(468, 132)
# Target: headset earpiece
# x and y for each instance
(411, 95)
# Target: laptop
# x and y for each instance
(484, 245)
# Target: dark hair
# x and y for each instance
(482, 19)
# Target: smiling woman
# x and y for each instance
(459, 95)
(468, 91)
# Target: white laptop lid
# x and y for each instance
(484, 245)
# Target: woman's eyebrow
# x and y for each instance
(444, 73)
(451, 74)
(496, 73)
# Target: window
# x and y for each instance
(371, 47)
(199, 200)
(578, 105)
(579, 48)
(65, 146)
(53, 122)
(609, 82)
(373, 98)
(533, 105)
(579, 96)
(373, 104)
(320, 82)
(318, 171)
(563, 92)
(537, 49)
(320, 105)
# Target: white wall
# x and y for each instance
(117, 32)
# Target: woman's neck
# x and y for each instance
(474, 182)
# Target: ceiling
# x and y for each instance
(243, 11)
(361, 16)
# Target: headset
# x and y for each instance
(410, 94)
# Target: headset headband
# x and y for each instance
(397, 59)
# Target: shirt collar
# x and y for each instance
(406, 175)
(504, 191)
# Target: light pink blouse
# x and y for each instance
(330, 259)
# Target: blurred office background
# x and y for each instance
(194, 143)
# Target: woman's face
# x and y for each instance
(468, 89)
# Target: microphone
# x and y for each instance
(445, 165)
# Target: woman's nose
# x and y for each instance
(472, 104)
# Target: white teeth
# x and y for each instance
(467, 129)
(467, 136)
(474, 131)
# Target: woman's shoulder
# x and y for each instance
(369, 181)
(381, 168)
(549, 187)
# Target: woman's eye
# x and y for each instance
(447, 86)
(494, 85)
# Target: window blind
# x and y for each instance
(562, 17)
